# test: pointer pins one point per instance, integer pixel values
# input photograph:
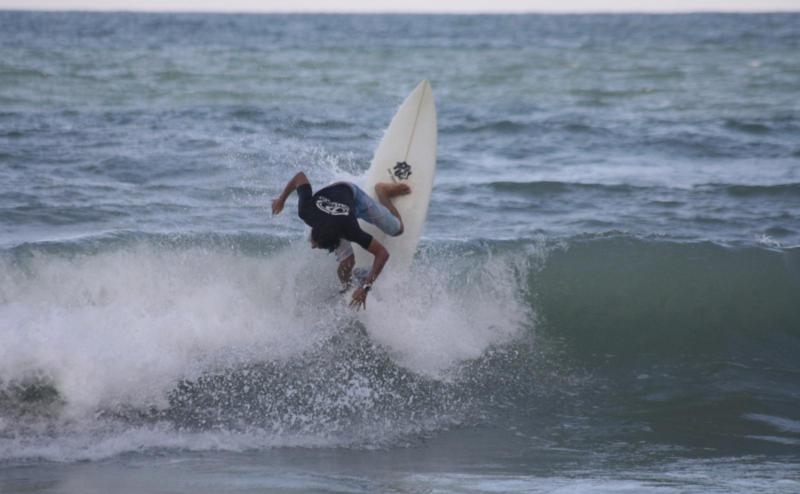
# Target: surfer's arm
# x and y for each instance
(381, 256)
(296, 181)
(346, 270)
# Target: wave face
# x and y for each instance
(134, 342)
(650, 299)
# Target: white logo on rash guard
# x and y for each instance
(330, 207)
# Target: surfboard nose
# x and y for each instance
(406, 154)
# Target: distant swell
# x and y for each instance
(552, 187)
(787, 190)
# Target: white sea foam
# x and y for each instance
(89, 440)
(119, 330)
(123, 327)
(441, 314)
(781, 424)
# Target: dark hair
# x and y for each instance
(326, 236)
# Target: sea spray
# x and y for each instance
(117, 342)
(450, 308)
(122, 326)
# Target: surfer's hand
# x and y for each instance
(359, 299)
(277, 206)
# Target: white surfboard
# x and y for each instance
(407, 153)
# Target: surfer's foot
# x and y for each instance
(389, 190)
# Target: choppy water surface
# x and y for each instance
(605, 297)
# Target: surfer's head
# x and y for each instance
(325, 236)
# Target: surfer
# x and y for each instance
(332, 215)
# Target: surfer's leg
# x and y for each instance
(371, 211)
(386, 191)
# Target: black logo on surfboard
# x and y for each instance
(402, 170)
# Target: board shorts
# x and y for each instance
(373, 212)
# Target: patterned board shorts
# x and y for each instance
(371, 211)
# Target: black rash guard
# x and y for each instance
(332, 204)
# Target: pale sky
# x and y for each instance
(468, 6)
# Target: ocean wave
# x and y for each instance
(128, 331)
(557, 187)
(750, 127)
(573, 124)
(503, 126)
(133, 341)
(16, 73)
(777, 190)
(648, 299)
(610, 285)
